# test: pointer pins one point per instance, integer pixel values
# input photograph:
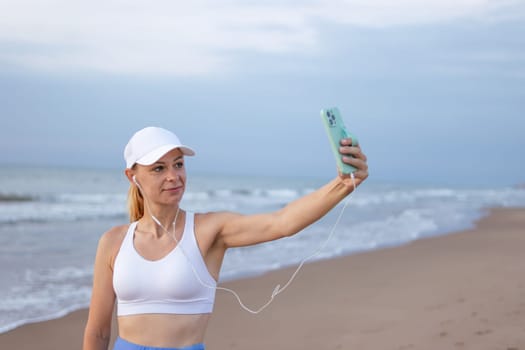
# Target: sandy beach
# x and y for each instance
(464, 290)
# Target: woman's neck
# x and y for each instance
(162, 217)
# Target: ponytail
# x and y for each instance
(135, 203)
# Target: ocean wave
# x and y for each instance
(35, 219)
(45, 294)
(12, 197)
(62, 207)
(66, 207)
(246, 192)
(10, 325)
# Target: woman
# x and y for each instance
(163, 267)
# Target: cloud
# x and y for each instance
(194, 37)
(384, 13)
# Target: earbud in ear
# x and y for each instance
(134, 178)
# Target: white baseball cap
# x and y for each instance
(148, 145)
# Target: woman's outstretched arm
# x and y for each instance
(243, 230)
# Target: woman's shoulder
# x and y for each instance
(113, 237)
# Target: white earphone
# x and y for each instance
(134, 178)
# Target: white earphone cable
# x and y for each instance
(277, 290)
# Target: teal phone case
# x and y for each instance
(336, 131)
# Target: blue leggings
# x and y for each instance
(121, 344)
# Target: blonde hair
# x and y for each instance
(135, 203)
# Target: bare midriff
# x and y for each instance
(163, 330)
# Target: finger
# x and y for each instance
(361, 155)
(350, 151)
(355, 152)
(357, 163)
(348, 141)
(360, 175)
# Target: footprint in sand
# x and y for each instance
(483, 332)
(513, 313)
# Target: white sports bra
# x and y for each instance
(164, 286)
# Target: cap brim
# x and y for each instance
(156, 154)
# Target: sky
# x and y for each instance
(434, 89)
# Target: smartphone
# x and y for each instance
(336, 130)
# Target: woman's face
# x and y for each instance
(163, 182)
